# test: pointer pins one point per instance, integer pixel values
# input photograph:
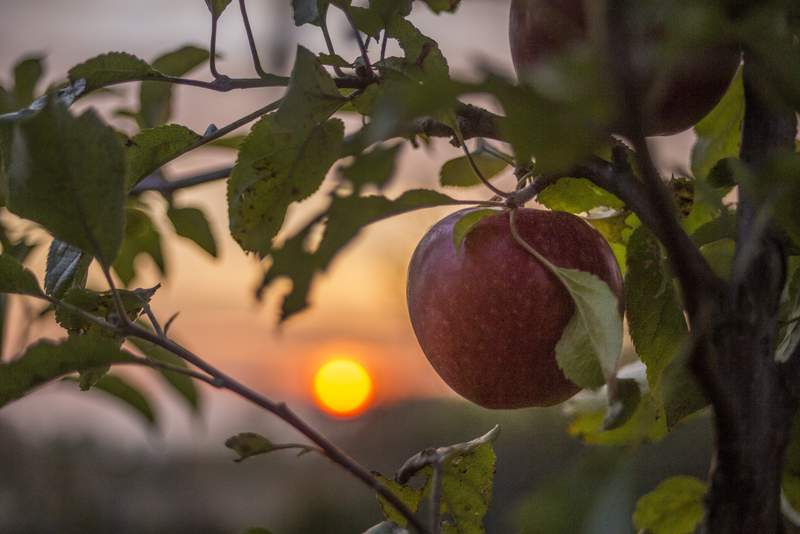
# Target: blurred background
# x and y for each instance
(73, 462)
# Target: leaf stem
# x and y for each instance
(212, 56)
(250, 40)
(323, 24)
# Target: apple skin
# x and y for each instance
(488, 316)
(673, 101)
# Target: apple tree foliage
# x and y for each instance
(84, 182)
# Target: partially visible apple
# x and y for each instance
(488, 315)
(676, 95)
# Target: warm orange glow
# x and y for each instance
(342, 387)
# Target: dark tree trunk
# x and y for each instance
(735, 363)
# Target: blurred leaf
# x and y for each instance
(67, 174)
(646, 424)
(622, 403)
(15, 278)
(386, 527)
(192, 224)
(719, 255)
(419, 50)
(309, 11)
(722, 227)
(366, 20)
(217, 7)
(88, 378)
(389, 9)
(112, 68)
(674, 507)
(182, 384)
(150, 149)
(655, 315)
(467, 222)
(375, 167)
(231, 141)
(277, 166)
(346, 217)
(125, 392)
(681, 395)
(458, 172)
(333, 60)
(577, 195)
(155, 98)
(27, 73)
(141, 237)
(439, 6)
(67, 266)
(790, 333)
(719, 133)
(312, 95)
(790, 479)
(247, 444)
(47, 360)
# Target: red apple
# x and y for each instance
(676, 95)
(488, 315)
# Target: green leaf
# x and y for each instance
(68, 174)
(577, 195)
(155, 98)
(439, 6)
(182, 384)
(346, 217)
(719, 133)
(467, 222)
(309, 11)
(233, 142)
(646, 424)
(312, 95)
(67, 266)
(217, 7)
(15, 278)
(655, 315)
(407, 495)
(48, 360)
(122, 390)
(719, 255)
(681, 395)
(375, 167)
(458, 172)
(27, 73)
(150, 149)
(277, 166)
(367, 21)
(88, 378)
(333, 60)
(419, 49)
(99, 304)
(112, 68)
(389, 9)
(674, 507)
(247, 444)
(141, 237)
(192, 224)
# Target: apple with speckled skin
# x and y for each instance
(676, 95)
(488, 315)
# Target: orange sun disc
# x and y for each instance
(342, 387)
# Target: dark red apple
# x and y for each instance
(676, 94)
(488, 315)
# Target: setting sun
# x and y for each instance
(342, 387)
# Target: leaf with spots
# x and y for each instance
(277, 166)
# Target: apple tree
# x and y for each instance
(709, 254)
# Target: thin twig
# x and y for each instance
(496, 190)
(251, 41)
(384, 42)
(148, 362)
(281, 410)
(156, 183)
(212, 58)
(360, 40)
(170, 321)
(323, 24)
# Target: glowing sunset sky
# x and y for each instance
(358, 307)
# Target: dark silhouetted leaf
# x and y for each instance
(15, 278)
(192, 224)
(148, 150)
(48, 360)
(217, 6)
(141, 237)
(68, 174)
(155, 98)
(249, 444)
(112, 68)
(27, 73)
(458, 172)
(375, 167)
